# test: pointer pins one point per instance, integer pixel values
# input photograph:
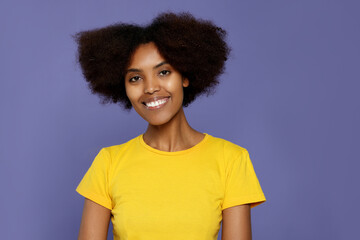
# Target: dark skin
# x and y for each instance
(155, 90)
(149, 78)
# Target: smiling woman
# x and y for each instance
(153, 86)
(172, 182)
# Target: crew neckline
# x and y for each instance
(148, 147)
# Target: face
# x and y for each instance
(153, 86)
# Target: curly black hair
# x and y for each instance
(194, 47)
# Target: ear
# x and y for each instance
(185, 82)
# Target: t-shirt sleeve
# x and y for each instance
(241, 183)
(95, 183)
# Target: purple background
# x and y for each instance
(289, 95)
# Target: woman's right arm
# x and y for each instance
(94, 222)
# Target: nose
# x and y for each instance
(152, 85)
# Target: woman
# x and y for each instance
(172, 182)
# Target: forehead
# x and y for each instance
(146, 55)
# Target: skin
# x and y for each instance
(149, 77)
(94, 222)
(236, 223)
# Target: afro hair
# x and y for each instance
(194, 47)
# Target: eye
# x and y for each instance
(134, 79)
(164, 72)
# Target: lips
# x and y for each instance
(155, 102)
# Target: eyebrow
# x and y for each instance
(138, 70)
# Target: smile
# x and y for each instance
(157, 103)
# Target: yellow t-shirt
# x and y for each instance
(154, 194)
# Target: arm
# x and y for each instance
(236, 223)
(95, 221)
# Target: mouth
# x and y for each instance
(156, 103)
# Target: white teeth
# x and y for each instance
(156, 103)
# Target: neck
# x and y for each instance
(175, 135)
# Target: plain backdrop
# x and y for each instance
(289, 95)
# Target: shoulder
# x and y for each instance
(230, 149)
(115, 150)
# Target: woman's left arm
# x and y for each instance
(236, 223)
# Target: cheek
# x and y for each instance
(175, 87)
(132, 93)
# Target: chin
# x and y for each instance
(158, 118)
(157, 121)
